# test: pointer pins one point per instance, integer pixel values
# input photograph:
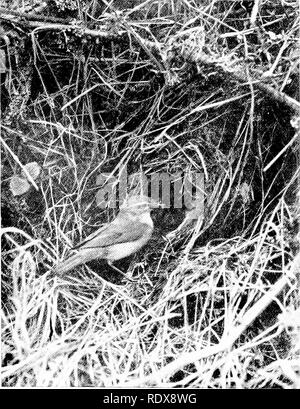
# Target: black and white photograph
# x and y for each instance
(150, 197)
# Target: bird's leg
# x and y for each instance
(119, 271)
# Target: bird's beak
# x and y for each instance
(154, 204)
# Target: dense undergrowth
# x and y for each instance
(173, 87)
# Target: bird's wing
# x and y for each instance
(91, 236)
(114, 234)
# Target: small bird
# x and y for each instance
(125, 235)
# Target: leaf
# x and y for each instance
(18, 185)
(33, 168)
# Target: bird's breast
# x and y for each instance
(146, 219)
(122, 250)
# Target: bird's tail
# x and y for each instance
(69, 264)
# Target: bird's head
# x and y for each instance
(137, 205)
